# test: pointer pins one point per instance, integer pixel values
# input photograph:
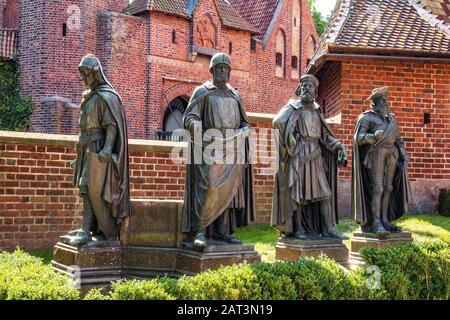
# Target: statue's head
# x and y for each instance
(308, 88)
(379, 98)
(220, 68)
(91, 71)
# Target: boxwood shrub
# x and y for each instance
(24, 277)
(413, 271)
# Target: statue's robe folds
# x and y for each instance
(108, 190)
(361, 182)
(217, 191)
(304, 178)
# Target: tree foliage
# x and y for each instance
(14, 109)
(319, 20)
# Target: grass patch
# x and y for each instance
(263, 236)
(427, 227)
(45, 255)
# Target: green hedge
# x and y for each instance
(413, 271)
(23, 277)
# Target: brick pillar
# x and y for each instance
(58, 115)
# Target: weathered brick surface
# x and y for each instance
(9, 14)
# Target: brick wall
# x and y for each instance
(267, 92)
(416, 88)
(9, 14)
(330, 98)
(49, 59)
(38, 202)
(140, 60)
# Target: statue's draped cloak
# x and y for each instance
(285, 198)
(361, 191)
(211, 189)
(115, 186)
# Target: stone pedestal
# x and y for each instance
(152, 244)
(192, 260)
(361, 240)
(92, 265)
(293, 249)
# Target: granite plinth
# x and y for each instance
(91, 265)
(293, 249)
(192, 260)
(361, 240)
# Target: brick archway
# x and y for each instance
(177, 90)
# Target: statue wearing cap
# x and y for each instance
(305, 193)
(380, 184)
(218, 193)
(101, 168)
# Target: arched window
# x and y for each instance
(230, 47)
(173, 119)
(280, 53)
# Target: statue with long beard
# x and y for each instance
(305, 200)
(380, 184)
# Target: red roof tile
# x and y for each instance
(258, 12)
(229, 16)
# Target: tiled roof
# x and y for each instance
(174, 7)
(258, 12)
(385, 24)
(229, 16)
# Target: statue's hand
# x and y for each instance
(105, 154)
(342, 159)
(378, 134)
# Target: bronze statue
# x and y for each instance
(380, 184)
(101, 168)
(218, 194)
(305, 200)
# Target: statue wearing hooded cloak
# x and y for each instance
(104, 184)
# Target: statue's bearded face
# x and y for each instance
(87, 76)
(308, 91)
(221, 73)
(381, 106)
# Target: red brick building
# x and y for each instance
(403, 44)
(155, 52)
